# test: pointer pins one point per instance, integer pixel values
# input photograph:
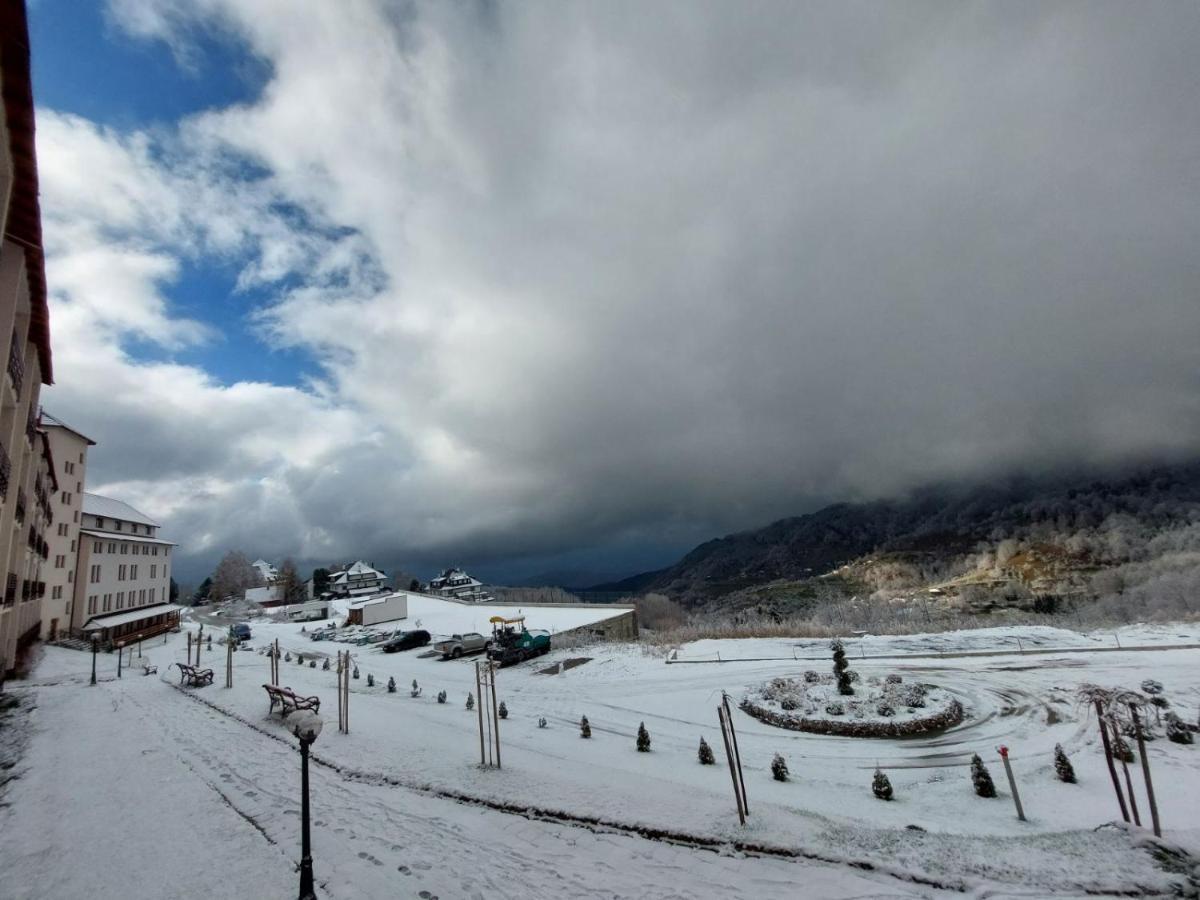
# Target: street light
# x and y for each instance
(306, 725)
(95, 650)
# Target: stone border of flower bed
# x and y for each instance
(951, 715)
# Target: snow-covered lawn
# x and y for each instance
(827, 810)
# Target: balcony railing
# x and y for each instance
(16, 364)
(5, 472)
(10, 589)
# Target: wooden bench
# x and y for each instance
(193, 676)
(288, 701)
(147, 667)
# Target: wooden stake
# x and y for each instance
(495, 711)
(1137, 730)
(479, 705)
(229, 661)
(1108, 756)
(737, 754)
(737, 794)
(1137, 819)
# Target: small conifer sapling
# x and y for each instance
(391, 685)
(470, 700)
(541, 721)
(881, 786)
(706, 754)
(370, 679)
(981, 778)
(356, 671)
(441, 696)
(585, 729)
(643, 739)
(1062, 766)
(779, 769)
(503, 710)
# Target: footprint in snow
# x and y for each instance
(404, 870)
(425, 895)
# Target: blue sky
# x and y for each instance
(86, 65)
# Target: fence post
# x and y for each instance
(1108, 757)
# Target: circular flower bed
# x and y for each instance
(877, 708)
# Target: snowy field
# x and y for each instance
(404, 756)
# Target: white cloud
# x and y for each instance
(614, 269)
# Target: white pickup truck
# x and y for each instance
(457, 644)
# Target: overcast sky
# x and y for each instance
(526, 286)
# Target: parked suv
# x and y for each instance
(406, 641)
(240, 632)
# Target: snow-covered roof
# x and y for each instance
(359, 568)
(47, 419)
(96, 623)
(359, 604)
(107, 507)
(120, 536)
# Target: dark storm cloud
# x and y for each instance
(655, 269)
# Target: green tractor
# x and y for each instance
(512, 642)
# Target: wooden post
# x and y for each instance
(229, 660)
(479, 705)
(1137, 730)
(737, 754)
(199, 638)
(189, 648)
(737, 794)
(120, 658)
(1137, 819)
(1108, 756)
(495, 710)
(1012, 783)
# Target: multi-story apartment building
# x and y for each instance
(122, 574)
(69, 449)
(27, 476)
(357, 580)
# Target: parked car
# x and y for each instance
(240, 632)
(406, 640)
(457, 644)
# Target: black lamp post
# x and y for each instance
(95, 650)
(306, 725)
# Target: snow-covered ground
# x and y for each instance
(405, 755)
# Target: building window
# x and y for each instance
(142, 595)
(124, 549)
(97, 546)
(76, 520)
(153, 594)
(107, 602)
(72, 546)
(70, 576)
(112, 548)
(60, 561)
(95, 574)
(118, 524)
(154, 571)
(120, 573)
(99, 521)
(133, 573)
(156, 551)
(120, 599)
(91, 607)
(78, 485)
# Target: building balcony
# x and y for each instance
(16, 365)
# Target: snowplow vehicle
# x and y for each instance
(512, 642)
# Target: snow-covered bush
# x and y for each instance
(391, 685)
(503, 710)
(1121, 749)
(881, 786)
(811, 677)
(1062, 766)
(585, 729)
(416, 689)
(541, 721)
(779, 769)
(835, 709)
(789, 703)
(886, 710)
(312, 663)
(1150, 686)
(893, 679)
(370, 679)
(913, 695)
(356, 671)
(1178, 730)
(325, 665)
(441, 696)
(706, 754)
(470, 700)
(981, 778)
(287, 657)
(643, 739)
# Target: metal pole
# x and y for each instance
(1108, 756)
(1012, 783)
(306, 870)
(1137, 729)
(95, 650)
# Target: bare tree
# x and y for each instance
(233, 576)
(291, 588)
